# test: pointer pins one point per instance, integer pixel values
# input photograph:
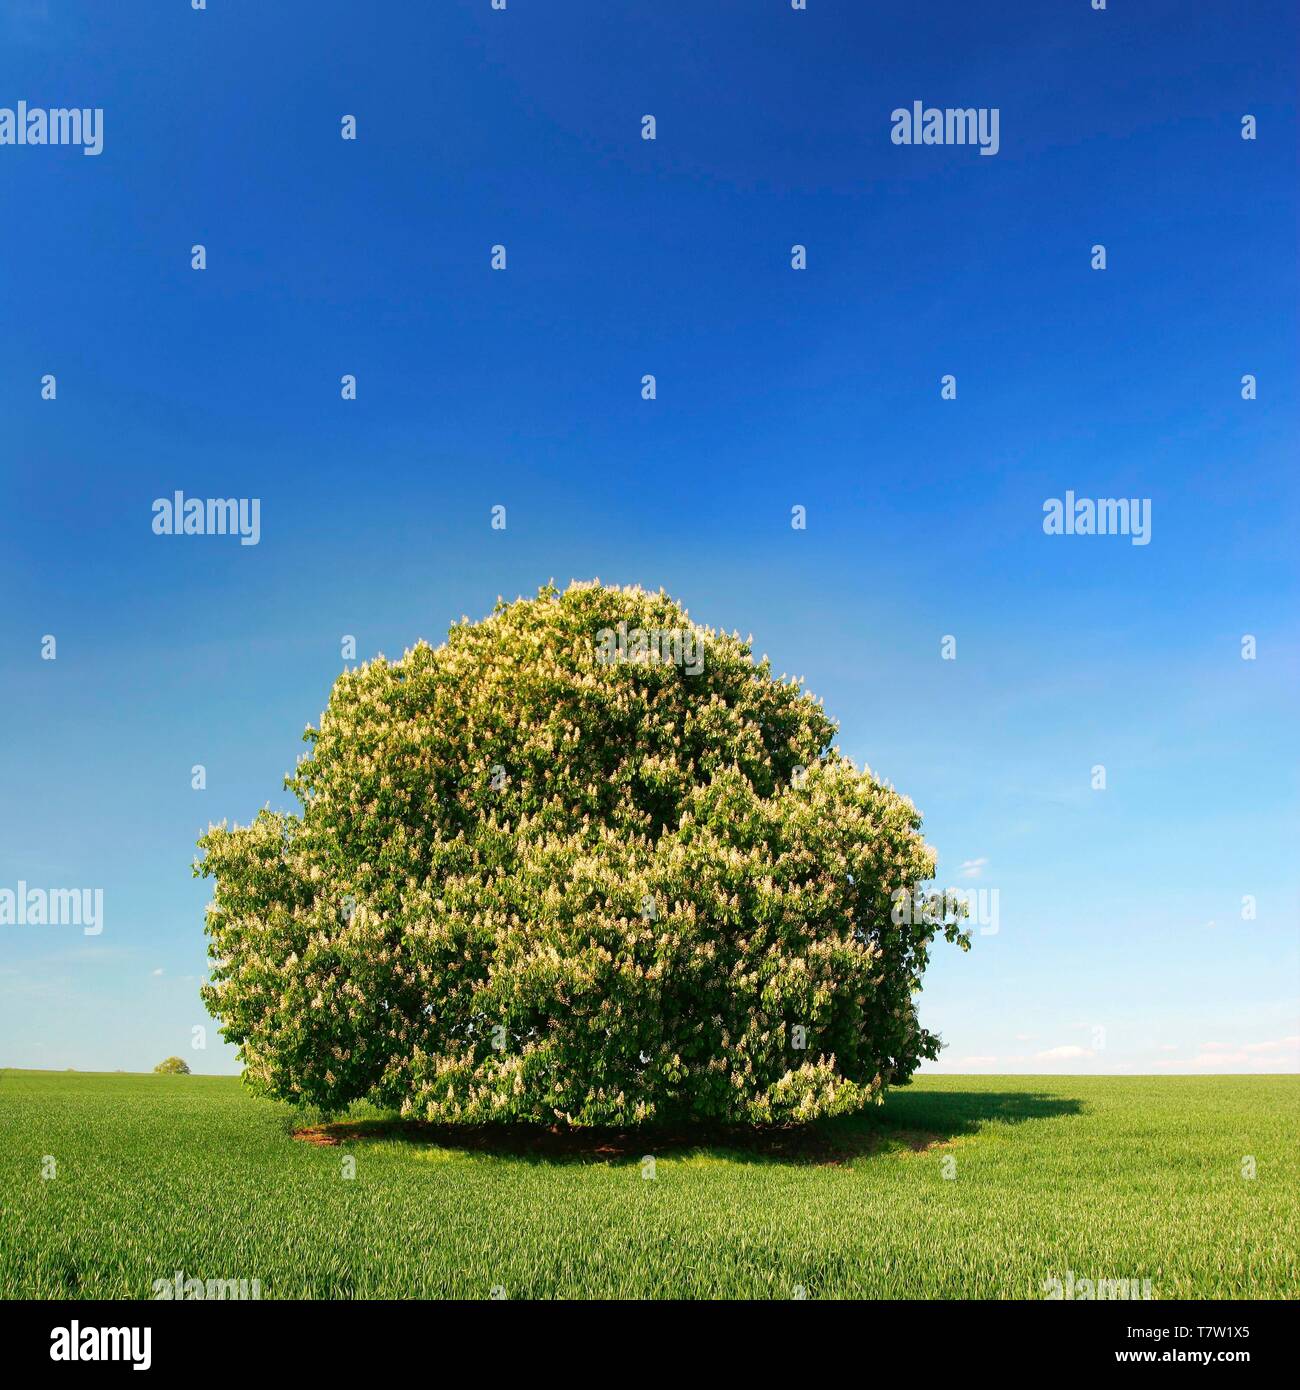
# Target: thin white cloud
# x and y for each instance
(1064, 1054)
(1275, 1045)
(1273, 1052)
(972, 868)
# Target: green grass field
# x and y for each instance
(1107, 1177)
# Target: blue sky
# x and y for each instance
(1118, 910)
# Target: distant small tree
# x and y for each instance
(173, 1066)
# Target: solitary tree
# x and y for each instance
(173, 1066)
(585, 862)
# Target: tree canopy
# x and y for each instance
(542, 873)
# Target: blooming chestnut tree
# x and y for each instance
(586, 862)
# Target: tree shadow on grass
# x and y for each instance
(909, 1121)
